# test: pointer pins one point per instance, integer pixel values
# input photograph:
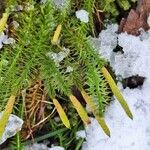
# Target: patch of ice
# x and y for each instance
(13, 126)
(83, 15)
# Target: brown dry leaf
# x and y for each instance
(136, 19)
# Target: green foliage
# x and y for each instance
(28, 58)
(110, 7)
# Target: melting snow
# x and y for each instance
(134, 60)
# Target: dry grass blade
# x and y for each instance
(6, 114)
(3, 21)
(34, 101)
(81, 111)
(55, 38)
(116, 92)
(92, 106)
(61, 113)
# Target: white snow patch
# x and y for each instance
(125, 133)
(106, 42)
(56, 148)
(136, 51)
(4, 39)
(69, 69)
(81, 134)
(83, 15)
(13, 126)
(58, 57)
(42, 146)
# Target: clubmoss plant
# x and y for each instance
(110, 7)
(44, 32)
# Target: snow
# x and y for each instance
(42, 146)
(81, 134)
(56, 148)
(4, 39)
(13, 126)
(136, 50)
(125, 133)
(82, 15)
(69, 69)
(59, 57)
(134, 60)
